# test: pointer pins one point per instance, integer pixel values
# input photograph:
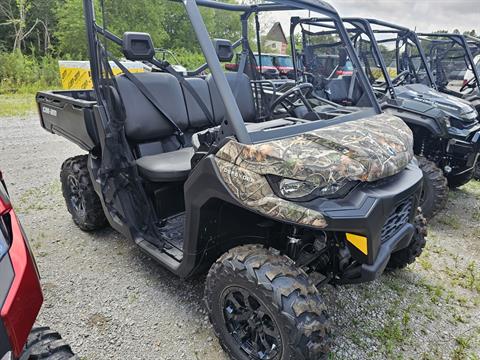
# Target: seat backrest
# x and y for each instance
(338, 89)
(143, 121)
(197, 118)
(242, 90)
(151, 133)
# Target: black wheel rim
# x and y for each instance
(251, 324)
(76, 195)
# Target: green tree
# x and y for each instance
(70, 32)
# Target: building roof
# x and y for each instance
(276, 33)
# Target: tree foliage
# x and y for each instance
(57, 27)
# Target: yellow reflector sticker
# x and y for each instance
(360, 242)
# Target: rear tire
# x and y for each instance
(80, 196)
(435, 188)
(261, 303)
(404, 257)
(46, 344)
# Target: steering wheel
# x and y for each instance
(288, 99)
(470, 84)
(401, 78)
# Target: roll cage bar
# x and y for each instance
(233, 125)
(466, 42)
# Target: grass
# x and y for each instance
(39, 198)
(461, 350)
(451, 221)
(18, 104)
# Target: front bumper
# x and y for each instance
(464, 152)
(383, 212)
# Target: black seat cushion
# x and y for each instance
(242, 90)
(166, 167)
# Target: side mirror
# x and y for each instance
(138, 46)
(224, 50)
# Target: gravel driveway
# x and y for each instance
(110, 301)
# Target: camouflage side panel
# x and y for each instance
(366, 150)
(254, 191)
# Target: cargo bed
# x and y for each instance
(70, 114)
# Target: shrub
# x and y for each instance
(25, 73)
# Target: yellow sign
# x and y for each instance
(75, 75)
(360, 242)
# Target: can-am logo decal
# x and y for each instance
(237, 174)
(49, 111)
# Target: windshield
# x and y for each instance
(267, 60)
(284, 61)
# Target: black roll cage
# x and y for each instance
(461, 40)
(403, 33)
(340, 30)
(233, 125)
(360, 26)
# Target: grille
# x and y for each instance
(399, 217)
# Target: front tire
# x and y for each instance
(46, 344)
(262, 306)
(404, 257)
(435, 188)
(82, 201)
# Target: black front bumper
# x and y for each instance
(464, 152)
(369, 211)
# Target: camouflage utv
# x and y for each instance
(275, 206)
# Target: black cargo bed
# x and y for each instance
(69, 114)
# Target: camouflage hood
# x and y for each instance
(367, 150)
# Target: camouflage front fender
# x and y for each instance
(364, 150)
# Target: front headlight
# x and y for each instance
(297, 190)
(294, 189)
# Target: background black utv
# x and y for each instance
(145, 178)
(446, 130)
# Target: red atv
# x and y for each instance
(21, 295)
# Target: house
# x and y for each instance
(276, 41)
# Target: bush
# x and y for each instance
(26, 73)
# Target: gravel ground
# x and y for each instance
(110, 301)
